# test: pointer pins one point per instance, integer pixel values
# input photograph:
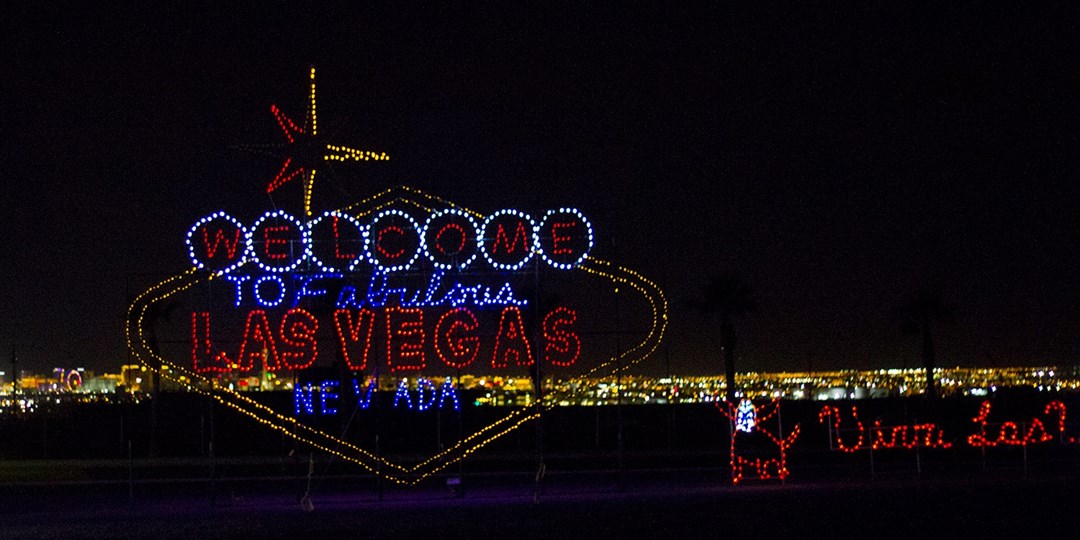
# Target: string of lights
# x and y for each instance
(657, 304)
(309, 132)
(1010, 433)
(562, 348)
(195, 382)
(908, 436)
(391, 242)
(507, 239)
(748, 420)
(931, 435)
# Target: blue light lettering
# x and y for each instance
(305, 290)
(257, 289)
(379, 295)
(303, 398)
(328, 396)
(447, 391)
(425, 394)
(239, 281)
(364, 400)
(428, 396)
(403, 392)
(347, 298)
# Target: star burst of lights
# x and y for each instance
(305, 151)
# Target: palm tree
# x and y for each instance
(727, 297)
(917, 317)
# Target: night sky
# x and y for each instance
(836, 157)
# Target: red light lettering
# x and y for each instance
(359, 332)
(511, 245)
(258, 343)
(202, 348)
(405, 339)
(337, 242)
(455, 339)
(1012, 434)
(557, 238)
(273, 241)
(219, 238)
(394, 229)
(511, 344)
(297, 334)
(562, 345)
(461, 243)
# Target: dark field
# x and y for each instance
(69, 474)
(640, 506)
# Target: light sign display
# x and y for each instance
(433, 317)
(402, 286)
(758, 449)
(278, 242)
(758, 452)
(1032, 431)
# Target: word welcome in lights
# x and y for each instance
(288, 252)
(391, 242)
(399, 281)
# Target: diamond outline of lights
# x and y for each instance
(744, 416)
(310, 252)
(370, 247)
(305, 240)
(530, 250)
(206, 219)
(424, 244)
(288, 425)
(540, 247)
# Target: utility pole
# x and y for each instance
(538, 388)
(14, 371)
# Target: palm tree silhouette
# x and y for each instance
(917, 317)
(156, 313)
(727, 297)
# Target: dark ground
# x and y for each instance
(61, 476)
(643, 504)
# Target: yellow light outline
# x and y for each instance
(333, 152)
(395, 472)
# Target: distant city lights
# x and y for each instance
(492, 390)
